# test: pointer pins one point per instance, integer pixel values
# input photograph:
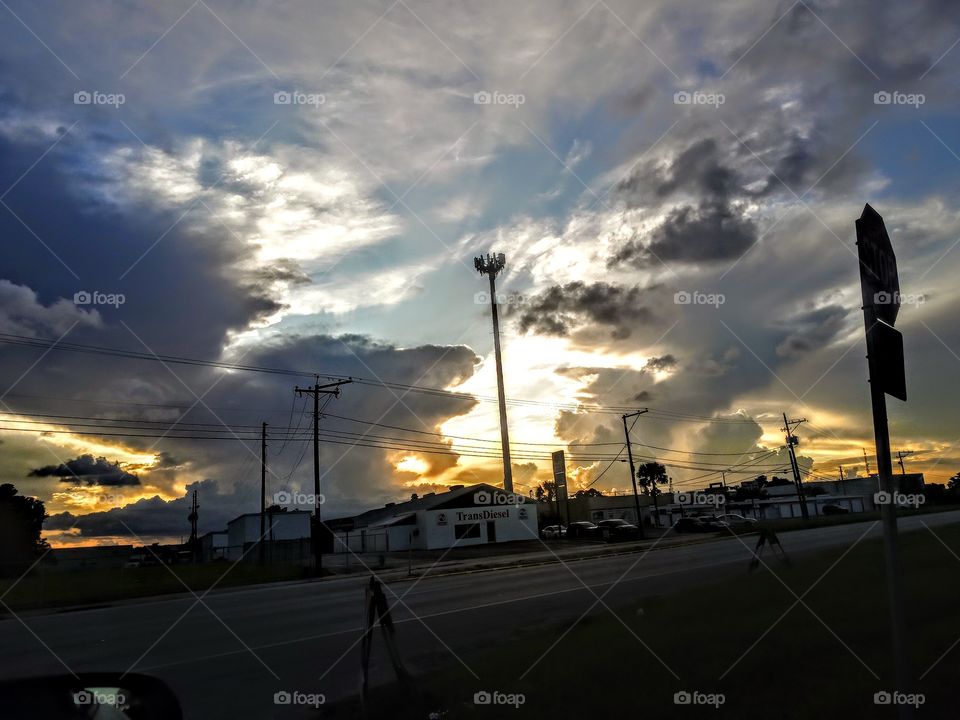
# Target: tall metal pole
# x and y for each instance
(490, 266)
(501, 393)
(633, 470)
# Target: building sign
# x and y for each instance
(483, 515)
(442, 519)
(522, 513)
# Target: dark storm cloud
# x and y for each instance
(812, 330)
(664, 362)
(88, 470)
(561, 308)
(709, 232)
(148, 517)
(353, 477)
(712, 228)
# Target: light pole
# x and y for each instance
(490, 266)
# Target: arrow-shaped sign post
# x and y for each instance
(880, 289)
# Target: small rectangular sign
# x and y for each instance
(885, 347)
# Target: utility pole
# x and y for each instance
(866, 462)
(633, 471)
(490, 266)
(792, 442)
(263, 490)
(901, 454)
(193, 517)
(316, 391)
(841, 480)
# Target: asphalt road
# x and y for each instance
(226, 656)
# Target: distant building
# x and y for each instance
(213, 545)
(282, 529)
(91, 556)
(465, 515)
(594, 508)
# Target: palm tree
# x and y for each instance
(650, 475)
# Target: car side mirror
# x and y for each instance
(89, 696)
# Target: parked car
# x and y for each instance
(734, 520)
(688, 524)
(617, 529)
(834, 510)
(582, 529)
(701, 524)
(552, 532)
(713, 524)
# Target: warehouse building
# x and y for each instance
(464, 515)
(287, 533)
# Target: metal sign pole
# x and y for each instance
(880, 290)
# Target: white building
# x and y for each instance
(244, 530)
(471, 515)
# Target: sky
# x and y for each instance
(303, 187)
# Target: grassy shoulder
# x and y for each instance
(99, 585)
(826, 657)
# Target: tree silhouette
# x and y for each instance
(589, 492)
(650, 475)
(546, 492)
(21, 521)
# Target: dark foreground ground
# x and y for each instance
(805, 640)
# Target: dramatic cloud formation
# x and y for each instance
(558, 309)
(303, 190)
(88, 470)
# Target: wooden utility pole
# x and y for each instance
(263, 490)
(792, 441)
(633, 470)
(316, 530)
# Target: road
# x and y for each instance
(226, 655)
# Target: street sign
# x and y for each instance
(880, 292)
(879, 282)
(885, 344)
(880, 288)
